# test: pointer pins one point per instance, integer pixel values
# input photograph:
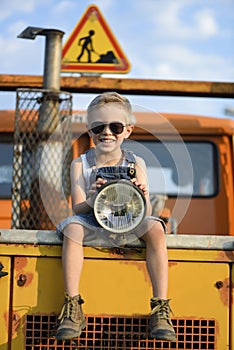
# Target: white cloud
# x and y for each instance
(164, 69)
(181, 20)
(64, 6)
(185, 56)
(20, 56)
(6, 51)
(168, 21)
(15, 29)
(104, 5)
(182, 62)
(9, 7)
(206, 23)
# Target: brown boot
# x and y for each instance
(160, 325)
(72, 319)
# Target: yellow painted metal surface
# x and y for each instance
(38, 288)
(132, 254)
(123, 288)
(232, 307)
(4, 302)
(116, 284)
(201, 290)
(115, 287)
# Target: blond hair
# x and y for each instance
(111, 97)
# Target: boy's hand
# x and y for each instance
(95, 186)
(141, 186)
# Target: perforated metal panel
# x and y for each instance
(42, 151)
(119, 333)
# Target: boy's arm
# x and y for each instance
(80, 204)
(141, 181)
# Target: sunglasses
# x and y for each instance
(115, 127)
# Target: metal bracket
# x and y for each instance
(32, 32)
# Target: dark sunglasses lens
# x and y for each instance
(116, 128)
(98, 128)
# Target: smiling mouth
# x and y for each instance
(107, 141)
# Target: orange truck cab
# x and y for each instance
(189, 160)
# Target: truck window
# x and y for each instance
(6, 161)
(174, 173)
(162, 169)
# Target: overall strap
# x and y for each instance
(87, 173)
(90, 156)
(129, 156)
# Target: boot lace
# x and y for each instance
(70, 309)
(161, 310)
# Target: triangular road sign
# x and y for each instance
(92, 47)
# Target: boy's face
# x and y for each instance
(111, 127)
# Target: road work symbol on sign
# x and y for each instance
(92, 47)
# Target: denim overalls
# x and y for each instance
(95, 233)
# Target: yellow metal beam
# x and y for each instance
(51, 250)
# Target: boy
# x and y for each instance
(109, 123)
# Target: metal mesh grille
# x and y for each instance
(42, 156)
(118, 333)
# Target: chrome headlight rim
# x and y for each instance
(135, 191)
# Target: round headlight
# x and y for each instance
(119, 206)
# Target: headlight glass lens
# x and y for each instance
(119, 206)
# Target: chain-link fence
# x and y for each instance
(42, 157)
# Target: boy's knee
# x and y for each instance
(155, 230)
(156, 227)
(74, 232)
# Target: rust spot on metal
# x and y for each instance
(225, 256)
(24, 279)
(29, 278)
(219, 284)
(15, 324)
(6, 318)
(172, 263)
(21, 280)
(141, 266)
(16, 321)
(230, 254)
(223, 289)
(20, 263)
(123, 253)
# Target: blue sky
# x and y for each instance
(179, 40)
